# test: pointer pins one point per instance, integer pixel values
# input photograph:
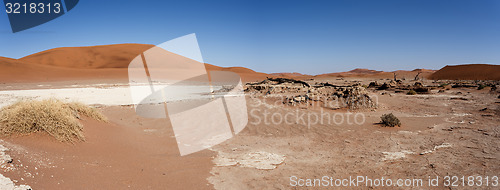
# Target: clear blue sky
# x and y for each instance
(284, 36)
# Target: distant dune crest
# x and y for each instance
(111, 61)
(468, 72)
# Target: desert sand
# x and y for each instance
(449, 128)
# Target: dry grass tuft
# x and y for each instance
(58, 119)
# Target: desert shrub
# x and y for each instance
(443, 85)
(385, 86)
(57, 118)
(365, 86)
(389, 120)
(411, 92)
(481, 86)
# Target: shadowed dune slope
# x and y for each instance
(468, 72)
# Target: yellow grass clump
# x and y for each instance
(57, 118)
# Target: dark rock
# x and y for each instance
(385, 86)
(285, 80)
(373, 84)
(422, 90)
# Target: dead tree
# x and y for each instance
(416, 77)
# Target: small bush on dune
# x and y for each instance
(58, 119)
(411, 92)
(389, 120)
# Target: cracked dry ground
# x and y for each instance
(442, 134)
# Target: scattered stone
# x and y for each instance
(444, 145)
(4, 157)
(393, 83)
(395, 155)
(300, 98)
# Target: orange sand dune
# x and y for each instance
(468, 72)
(366, 73)
(88, 63)
(107, 56)
(111, 62)
(353, 73)
(119, 56)
(246, 74)
(363, 71)
(424, 73)
(293, 75)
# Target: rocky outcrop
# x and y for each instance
(296, 93)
